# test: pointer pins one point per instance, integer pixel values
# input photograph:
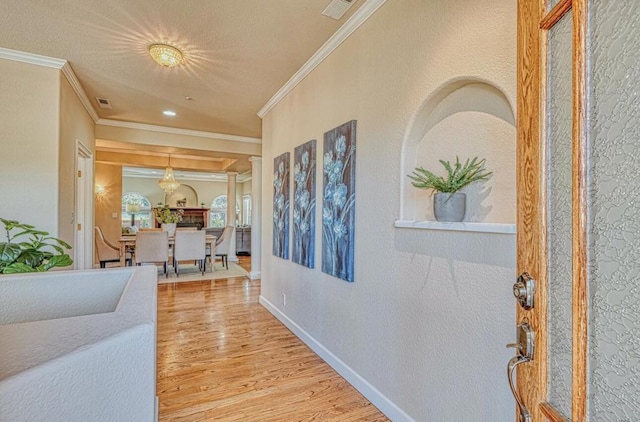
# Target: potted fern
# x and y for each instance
(449, 204)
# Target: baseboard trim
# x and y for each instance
(254, 275)
(379, 400)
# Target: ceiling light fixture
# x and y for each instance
(168, 183)
(165, 55)
(169, 113)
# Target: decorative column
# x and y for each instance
(256, 216)
(231, 212)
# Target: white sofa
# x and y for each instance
(78, 345)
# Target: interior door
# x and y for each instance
(83, 247)
(551, 338)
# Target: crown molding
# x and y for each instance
(21, 56)
(353, 23)
(67, 71)
(220, 177)
(62, 65)
(178, 131)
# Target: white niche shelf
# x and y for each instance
(500, 228)
(468, 117)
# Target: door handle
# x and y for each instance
(525, 416)
(524, 353)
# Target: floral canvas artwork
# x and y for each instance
(304, 204)
(281, 206)
(338, 205)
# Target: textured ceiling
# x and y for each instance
(237, 53)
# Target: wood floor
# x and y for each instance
(223, 357)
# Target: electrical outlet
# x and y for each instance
(284, 299)
(114, 215)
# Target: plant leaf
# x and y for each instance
(17, 268)
(9, 252)
(458, 175)
(58, 261)
(40, 253)
(61, 243)
(31, 257)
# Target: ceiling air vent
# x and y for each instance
(337, 8)
(103, 102)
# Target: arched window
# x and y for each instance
(246, 210)
(142, 217)
(218, 214)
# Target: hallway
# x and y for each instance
(223, 357)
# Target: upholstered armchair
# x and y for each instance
(106, 251)
(223, 245)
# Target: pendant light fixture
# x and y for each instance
(168, 183)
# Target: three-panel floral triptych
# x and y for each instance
(338, 203)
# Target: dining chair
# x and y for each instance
(189, 245)
(106, 251)
(152, 247)
(223, 245)
(149, 229)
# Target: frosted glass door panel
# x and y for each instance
(614, 270)
(552, 3)
(559, 139)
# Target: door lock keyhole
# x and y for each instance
(524, 291)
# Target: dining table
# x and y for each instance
(128, 243)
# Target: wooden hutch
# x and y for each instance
(192, 217)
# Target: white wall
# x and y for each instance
(422, 329)
(75, 125)
(206, 191)
(245, 187)
(29, 142)
(41, 118)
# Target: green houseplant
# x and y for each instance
(30, 250)
(167, 218)
(449, 204)
(164, 215)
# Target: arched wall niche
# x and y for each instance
(183, 192)
(465, 117)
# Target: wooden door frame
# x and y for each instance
(532, 241)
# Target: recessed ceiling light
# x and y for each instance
(169, 113)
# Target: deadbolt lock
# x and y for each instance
(524, 291)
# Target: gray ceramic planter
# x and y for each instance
(449, 207)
